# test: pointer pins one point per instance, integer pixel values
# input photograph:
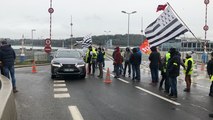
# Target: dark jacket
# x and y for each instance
(173, 67)
(7, 55)
(100, 57)
(210, 67)
(155, 59)
(135, 58)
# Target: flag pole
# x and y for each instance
(184, 23)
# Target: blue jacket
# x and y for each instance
(100, 57)
(7, 55)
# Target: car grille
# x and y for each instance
(69, 68)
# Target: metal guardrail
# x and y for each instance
(7, 102)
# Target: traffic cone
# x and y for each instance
(34, 67)
(108, 80)
(202, 66)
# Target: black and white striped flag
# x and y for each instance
(87, 41)
(164, 28)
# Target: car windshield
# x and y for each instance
(68, 54)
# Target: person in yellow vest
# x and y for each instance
(91, 56)
(188, 64)
(167, 83)
(210, 73)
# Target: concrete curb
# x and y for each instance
(7, 107)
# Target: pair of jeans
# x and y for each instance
(136, 74)
(167, 84)
(9, 71)
(100, 65)
(154, 74)
(117, 69)
(173, 84)
(127, 64)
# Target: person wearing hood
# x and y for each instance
(127, 63)
(117, 62)
(155, 60)
(173, 71)
(8, 57)
(188, 64)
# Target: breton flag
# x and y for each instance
(87, 41)
(164, 28)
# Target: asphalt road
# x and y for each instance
(41, 98)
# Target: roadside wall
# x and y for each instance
(7, 102)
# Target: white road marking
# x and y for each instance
(58, 81)
(59, 85)
(123, 80)
(156, 95)
(118, 78)
(62, 95)
(76, 115)
(60, 90)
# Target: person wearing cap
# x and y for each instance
(188, 64)
(173, 71)
(91, 57)
(8, 56)
(210, 73)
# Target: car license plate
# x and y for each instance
(68, 70)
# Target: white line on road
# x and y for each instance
(118, 78)
(62, 95)
(123, 80)
(59, 85)
(60, 89)
(156, 95)
(76, 115)
(58, 81)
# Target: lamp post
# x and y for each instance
(107, 33)
(32, 41)
(128, 23)
(71, 35)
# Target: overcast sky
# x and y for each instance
(19, 17)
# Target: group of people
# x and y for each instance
(169, 65)
(7, 60)
(95, 57)
(131, 60)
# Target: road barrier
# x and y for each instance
(7, 101)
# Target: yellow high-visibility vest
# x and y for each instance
(186, 65)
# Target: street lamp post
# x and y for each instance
(128, 23)
(32, 41)
(107, 33)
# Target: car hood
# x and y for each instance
(68, 60)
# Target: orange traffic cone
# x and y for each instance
(202, 67)
(108, 80)
(34, 67)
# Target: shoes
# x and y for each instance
(211, 115)
(116, 77)
(160, 88)
(211, 94)
(186, 90)
(15, 90)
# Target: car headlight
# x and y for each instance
(80, 64)
(56, 64)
